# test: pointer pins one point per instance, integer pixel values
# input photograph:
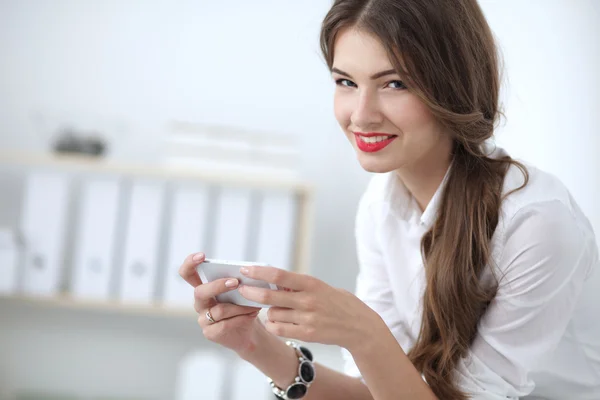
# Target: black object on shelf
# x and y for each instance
(71, 142)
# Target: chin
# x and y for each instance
(376, 166)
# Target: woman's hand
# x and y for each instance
(235, 326)
(310, 310)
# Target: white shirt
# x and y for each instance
(540, 336)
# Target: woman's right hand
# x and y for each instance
(235, 326)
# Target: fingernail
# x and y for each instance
(231, 283)
(198, 257)
(244, 270)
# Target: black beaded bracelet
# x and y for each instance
(306, 375)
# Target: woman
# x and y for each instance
(475, 270)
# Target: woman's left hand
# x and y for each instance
(310, 310)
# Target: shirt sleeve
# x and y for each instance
(372, 282)
(547, 256)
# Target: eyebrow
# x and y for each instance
(373, 77)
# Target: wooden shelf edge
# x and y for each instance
(64, 301)
(101, 165)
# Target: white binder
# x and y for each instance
(232, 224)
(248, 382)
(43, 225)
(96, 230)
(201, 375)
(187, 227)
(9, 258)
(276, 229)
(140, 264)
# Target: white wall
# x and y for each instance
(552, 55)
(131, 66)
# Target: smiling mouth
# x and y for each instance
(373, 142)
(375, 139)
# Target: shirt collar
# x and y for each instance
(430, 213)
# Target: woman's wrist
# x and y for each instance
(272, 356)
(304, 378)
(365, 335)
(255, 343)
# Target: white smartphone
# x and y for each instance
(212, 269)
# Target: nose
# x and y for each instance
(366, 114)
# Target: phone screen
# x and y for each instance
(211, 270)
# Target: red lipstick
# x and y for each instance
(373, 146)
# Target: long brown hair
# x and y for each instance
(445, 52)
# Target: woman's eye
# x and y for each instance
(396, 85)
(345, 82)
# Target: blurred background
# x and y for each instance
(133, 133)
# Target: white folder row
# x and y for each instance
(43, 225)
(232, 224)
(9, 260)
(247, 382)
(93, 263)
(124, 244)
(212, 375)
(187, 228)
(140, 264)
(276, 229)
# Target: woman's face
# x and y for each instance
(389, 127)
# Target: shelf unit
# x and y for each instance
(67, 302)
(88, 164)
